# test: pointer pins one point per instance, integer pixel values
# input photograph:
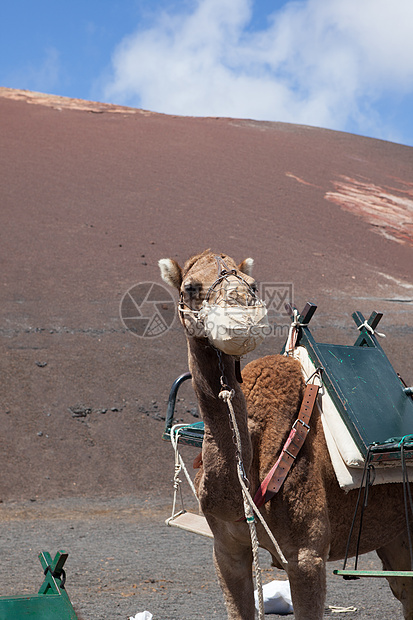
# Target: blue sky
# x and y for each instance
(340, 64)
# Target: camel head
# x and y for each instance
(218, 301)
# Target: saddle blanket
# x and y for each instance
(347, 460)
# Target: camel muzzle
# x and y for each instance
(232, 316)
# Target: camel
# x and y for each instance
(310, 516)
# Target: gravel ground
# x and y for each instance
(124, 559)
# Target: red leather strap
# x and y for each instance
(278, 473)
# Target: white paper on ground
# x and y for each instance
(277, 598)
(142, 615)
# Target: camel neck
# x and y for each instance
(209, 368)
(218, 450)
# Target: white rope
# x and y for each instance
(293, 333)
(190, 311)
(227, 395)
(251, 502)
(250, 508)
(249, 515)
(174, 440)
(179, 466)
(371, 330)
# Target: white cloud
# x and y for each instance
(319, 62)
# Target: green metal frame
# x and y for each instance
(190, 434)
(370, 396)
(50, 603)
(354, 574)
(364, 387)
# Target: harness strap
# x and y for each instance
(298, 434)
(238, 374)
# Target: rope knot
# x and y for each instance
(226, 395)
(371, 330)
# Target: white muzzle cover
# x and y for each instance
(235, 330)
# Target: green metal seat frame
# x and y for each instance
(369, 395)
(50, 603)
(373, 400)
(190, 434)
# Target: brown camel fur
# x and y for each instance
(311, 515)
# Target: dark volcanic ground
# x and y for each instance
(90, 200)
(93, 195)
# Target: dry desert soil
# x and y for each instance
(92, 196)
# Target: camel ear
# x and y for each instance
(246, 266)
(171, 272)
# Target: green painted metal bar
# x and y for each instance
(39, 607)
(53, 571)
(366, 338)
(170, 412)
(50, 603)
(191, 435)
(374, 573)
(364, 388)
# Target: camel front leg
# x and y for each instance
(233, 565)
(396, 556)
(307, 576)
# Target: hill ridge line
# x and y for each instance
(59, 102)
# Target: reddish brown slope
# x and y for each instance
(92, 196)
